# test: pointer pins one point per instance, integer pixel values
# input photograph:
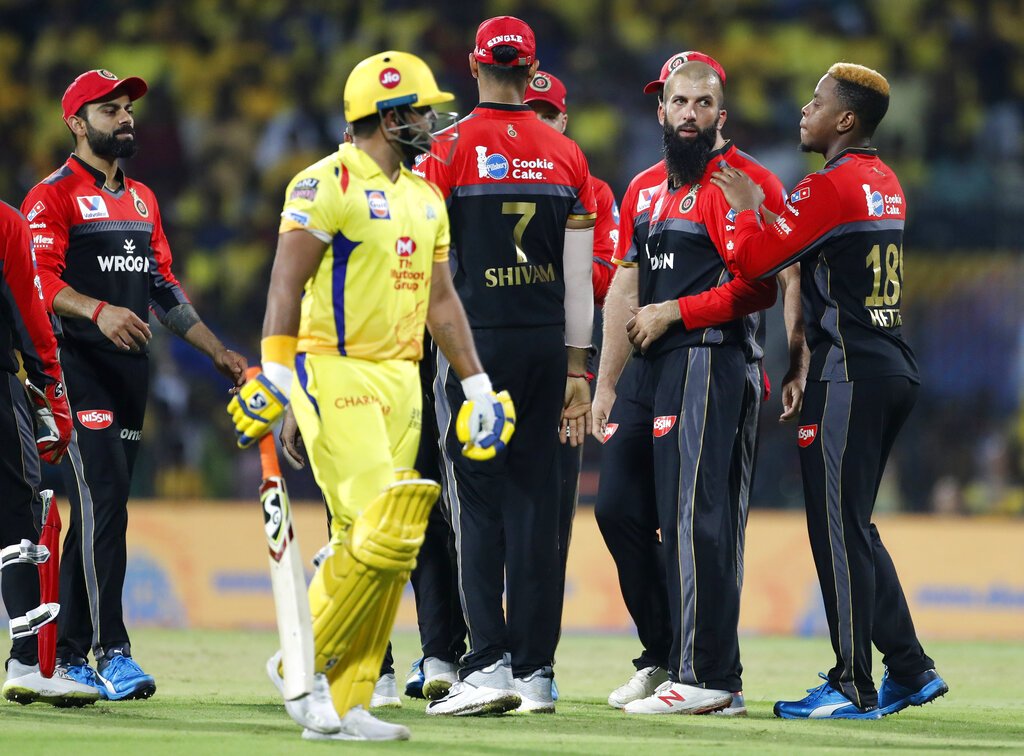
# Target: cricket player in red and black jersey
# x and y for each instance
(104, 262)
(626, 506)
(522, 212)
(845, 224)
(32, 427)
(696, 378)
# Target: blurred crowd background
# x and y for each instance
(244, 93)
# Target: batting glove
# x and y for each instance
(486, 420)
(255, 408)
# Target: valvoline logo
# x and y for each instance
(378, 202)
(405, 246)
(390, 78)
(95, 419)
(663, 424)
(805, 435)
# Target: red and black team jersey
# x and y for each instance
(606, 238)
(635, 215)
(104, 244)
(511, 184)
(845, 225)
(690, 232)
(23, 322)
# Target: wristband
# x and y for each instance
(98, 310)
(278, 348)
(577, 375)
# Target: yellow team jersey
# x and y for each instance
(368, 299)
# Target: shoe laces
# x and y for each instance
(664, 686)
(822, 689)
(121, 665)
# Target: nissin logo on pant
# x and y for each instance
(96, 419)
(664, 424)
(806, 434)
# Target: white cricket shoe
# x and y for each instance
(314, 711)
(486, 691)
(359, 724)
(25, 684)
(679, 698)
(640, 685)
(738, 707)
(438, 677)
(385, 692)
(535, 692)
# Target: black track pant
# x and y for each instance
(19, 478)
(698, 407)
(435, 580)
(504, 511)
(854, 426)
(108, 398)
(628, 516)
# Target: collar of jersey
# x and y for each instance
(98, 177)
(868, 151)
(505, 110)
(364, 166)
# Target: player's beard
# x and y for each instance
(687, 159)
(108, 146)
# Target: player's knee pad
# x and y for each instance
(380, 550)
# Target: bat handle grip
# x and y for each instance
(268, 452)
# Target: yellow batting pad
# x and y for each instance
(379, 551)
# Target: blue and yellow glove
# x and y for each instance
(486, 420)
(255, 408)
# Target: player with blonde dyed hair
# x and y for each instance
(845, 225)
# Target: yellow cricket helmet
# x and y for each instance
(389, 79)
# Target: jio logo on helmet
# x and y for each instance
(390, 78)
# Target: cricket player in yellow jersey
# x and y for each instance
(361, 266)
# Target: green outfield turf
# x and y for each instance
(213, 698)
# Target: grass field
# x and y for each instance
(214, 699)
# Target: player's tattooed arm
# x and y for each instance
(446, 321)
(185, 322)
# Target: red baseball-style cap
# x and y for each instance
(677, 60)
(505, 30)
(97, 84)
(546, 88)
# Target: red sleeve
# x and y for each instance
(586, 203)
(47, 211)
(165, 293)
(740, 296)
(433, 169)
(627, 215)
(606, 235)
(762, 252)
(22, 297)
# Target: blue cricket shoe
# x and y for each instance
(913, 691)
(121, 679)
(824, 702)
(414, 682)
(84, 675)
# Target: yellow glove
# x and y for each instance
(486, 420)
(255, 408)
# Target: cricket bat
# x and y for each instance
(287, 578)
(49, 581)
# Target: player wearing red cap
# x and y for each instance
(715, 311)
(546, 94)
(846, 222)
(104, 263)
(522, 213)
